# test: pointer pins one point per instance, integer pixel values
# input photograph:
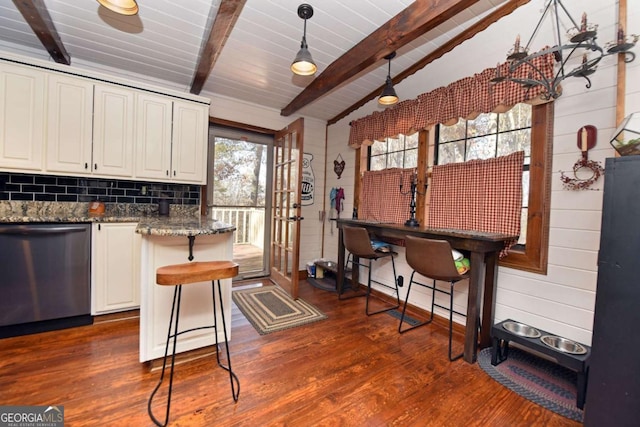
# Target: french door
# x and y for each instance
(286, 209)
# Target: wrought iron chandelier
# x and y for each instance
(581, 41)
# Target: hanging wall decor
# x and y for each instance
(308, 180)
(589, 169)
(338, 165)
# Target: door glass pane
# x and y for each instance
(239, 182)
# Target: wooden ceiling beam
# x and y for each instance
(467, 34)
(418, 18)
(228, 13)
(37, 16)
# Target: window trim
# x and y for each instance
(534, 257)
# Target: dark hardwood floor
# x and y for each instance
(348, 370)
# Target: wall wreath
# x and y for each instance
(576, 183)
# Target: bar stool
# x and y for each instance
(182, 274)
(432, 259)
(358, 243)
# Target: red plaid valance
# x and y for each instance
(480, 195)
(465, 98)
(380, 198)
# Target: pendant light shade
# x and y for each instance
(388, 95)
(123, 7)
(303, 64)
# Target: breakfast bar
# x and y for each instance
(484, 249)
(177, 240)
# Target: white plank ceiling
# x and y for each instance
(162, 43)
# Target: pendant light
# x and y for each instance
(388, 95)
(303, 65)
(123, 7)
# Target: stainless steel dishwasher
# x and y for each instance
(45, 276)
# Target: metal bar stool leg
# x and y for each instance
(404, 308)
(396, 281)
(177, 294)
(369, 281)
(233, 379)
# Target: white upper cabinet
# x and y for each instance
(69, 124)
(189, 151)
(22, 101)
(61, 124)
(153, 136)
(113, 117)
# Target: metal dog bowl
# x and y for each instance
(521, 329)
(563, 344)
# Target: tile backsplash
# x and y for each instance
(49, 188)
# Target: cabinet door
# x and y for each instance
(115, 263)
(153, 136)
(189, 150)
(69, 124)
(113, 131)
(22, 98)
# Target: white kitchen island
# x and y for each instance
(173, 240)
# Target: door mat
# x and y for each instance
(270, 309)
(536, 379)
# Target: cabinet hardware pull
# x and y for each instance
(167, 173)
(86, 165)
(95, 166)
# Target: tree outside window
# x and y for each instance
(487, 136)
(400, 152)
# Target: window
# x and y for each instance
(400, 152)
(487, 136)
(508, 135)
(528, 128)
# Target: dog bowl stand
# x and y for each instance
(576, 362)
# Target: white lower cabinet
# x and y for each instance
(115, 266)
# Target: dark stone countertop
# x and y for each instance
(182, 221)
(181, 226)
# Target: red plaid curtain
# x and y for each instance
(380, 198)
(480, 195)
(464, 98)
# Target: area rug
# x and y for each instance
(270, 309)
(541, 381)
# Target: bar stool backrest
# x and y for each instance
(358, 243)
(432, 258)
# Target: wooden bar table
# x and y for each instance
(484, 249)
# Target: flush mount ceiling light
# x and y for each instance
(388, 95)
(581, 41)
(123, 7)
(303, 65)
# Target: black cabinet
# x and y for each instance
(613, 392)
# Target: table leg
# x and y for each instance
(341, 259)
(473, 306)
(488, 308)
